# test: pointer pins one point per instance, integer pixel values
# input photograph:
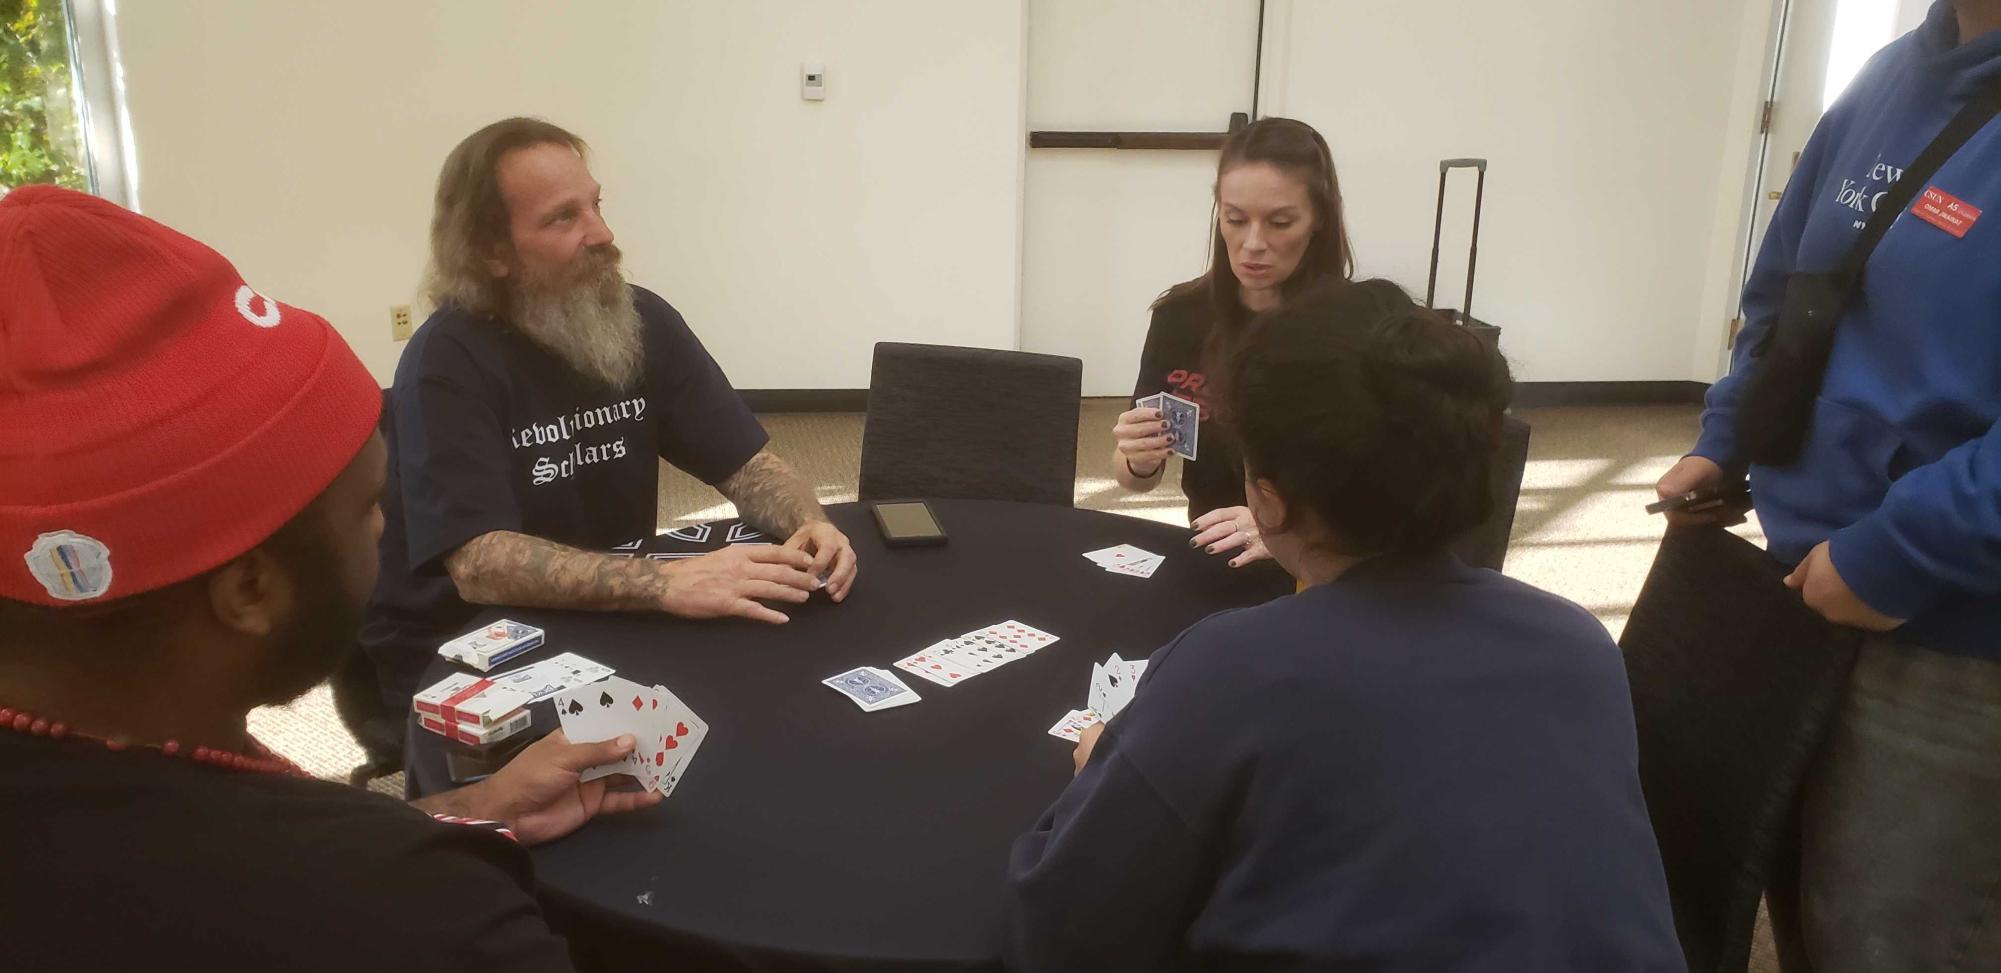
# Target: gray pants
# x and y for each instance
(1899, 865)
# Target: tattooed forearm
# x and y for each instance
(506, 568)
(771, 496)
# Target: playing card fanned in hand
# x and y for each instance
(1073, 724)
(1113, 683)
(667, 732)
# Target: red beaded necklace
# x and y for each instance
(266, 762)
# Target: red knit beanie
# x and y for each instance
(158, 417)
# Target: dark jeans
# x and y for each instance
(1899, 860)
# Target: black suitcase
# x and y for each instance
(1463, 314)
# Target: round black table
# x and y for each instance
(808, 834)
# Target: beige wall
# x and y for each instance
(1617, 134)
(303, 140)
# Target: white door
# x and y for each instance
(1819, 46)
(1104, 231)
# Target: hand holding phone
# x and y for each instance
(1695, 491)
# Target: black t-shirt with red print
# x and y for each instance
(1173, 363)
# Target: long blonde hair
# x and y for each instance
(469, 219)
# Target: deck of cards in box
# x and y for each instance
(472, 710)
(492, 645)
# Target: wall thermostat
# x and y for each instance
(813, 82)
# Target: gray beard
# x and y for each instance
(591, 324)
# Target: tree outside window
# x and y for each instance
(40, 115)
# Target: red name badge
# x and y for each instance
(1945, 211)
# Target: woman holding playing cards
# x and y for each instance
(1410, 764)
(1278, 231)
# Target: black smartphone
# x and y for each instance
(468, 765)
(907, 523)
(1736, 495)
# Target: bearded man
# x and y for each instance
(529, 415)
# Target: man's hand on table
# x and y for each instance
(833, 556)
(731, 582)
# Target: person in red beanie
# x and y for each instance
(189, 474)
(530, 416)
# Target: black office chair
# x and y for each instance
(357, 696)
(1486, 546)
(971, 423)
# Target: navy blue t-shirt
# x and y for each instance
(1422, 766)
(488, 431)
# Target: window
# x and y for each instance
(61, 107)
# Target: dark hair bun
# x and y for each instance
(1379, 416)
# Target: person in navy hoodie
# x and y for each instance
(1892, 513)
(1411, 764)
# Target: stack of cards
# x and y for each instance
(1127, 560)
(553, 675)
(872, 689)
(1184, 421)
(953, 661)
(472, 710)
(668, 731)
(1113, 683)
(492, 645)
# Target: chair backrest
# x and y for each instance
(971, 423)
(1486, 546)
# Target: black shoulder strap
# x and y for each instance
(1977, 112)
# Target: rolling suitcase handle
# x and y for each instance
(1445, 168)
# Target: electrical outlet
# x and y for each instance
(400, 327)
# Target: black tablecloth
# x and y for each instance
(811, 835)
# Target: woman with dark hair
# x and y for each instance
(1411, 764)
(1278, 230)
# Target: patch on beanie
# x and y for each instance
(267, 318)
(71, 566)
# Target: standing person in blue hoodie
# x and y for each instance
(1892, 512)
(1410, 765)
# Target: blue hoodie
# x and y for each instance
(1902, 468)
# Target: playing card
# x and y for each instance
(1120, 683)
(669, 751)
(871, 688)
(931, 663)
(1128, 560)
(1143, 567)
(1073, 724)
(1184, 423)
(1097, 699)
(980, 653)
(553, 675)
(1114, 555)
(1150, 402)
(604, 711)
(1019, 635)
